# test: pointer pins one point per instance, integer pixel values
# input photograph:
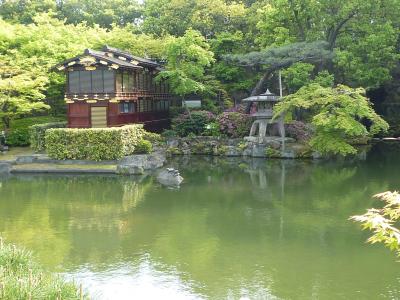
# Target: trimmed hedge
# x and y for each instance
(93, 143)
(37, 134)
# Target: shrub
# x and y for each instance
(299, 131)
(169, 133)
(93, 143)
(175, 111)
(209, 105)
(37, 134)
(19, 129)
(234, 124)
(18, 137)
(194, 123)
(23, 278)
(212, 129)
(152, 137)
(143, 147)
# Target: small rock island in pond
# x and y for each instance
(170, 177)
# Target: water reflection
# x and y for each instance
(237, 228)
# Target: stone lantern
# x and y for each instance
(264, 104)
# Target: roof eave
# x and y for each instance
(110, 61)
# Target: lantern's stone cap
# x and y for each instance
(267, 96)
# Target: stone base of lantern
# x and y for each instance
(258, 131)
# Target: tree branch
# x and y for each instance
(334, 32)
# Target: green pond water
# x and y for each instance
(236, 229)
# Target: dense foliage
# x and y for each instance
(19, 133)
(187, 58)
(23, 278)
(383, 221)
(94, 143)
(229, 124)
(192, 122)
(37, 134)
(338, 116)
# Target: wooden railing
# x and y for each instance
(116, 95)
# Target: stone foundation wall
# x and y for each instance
(271, 147)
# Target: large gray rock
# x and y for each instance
(129, 170)
(172, 142)
(5, 168)
(170, 177)
(138, 164)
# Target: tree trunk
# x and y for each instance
(260, 86)
(6, 123)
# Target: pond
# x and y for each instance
(236, 229)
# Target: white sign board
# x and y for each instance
(191, 103)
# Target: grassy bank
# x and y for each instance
(21, 277)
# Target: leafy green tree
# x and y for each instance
(324, 79)
(188, 57)
(22, 11)
(338, 115)
(369, 59)
(103, 13)
(209, 17)
(382, 221)
(21, 91)
(362, 33)
(29, 52)
(297, 75)
(301, 74)
(232, 78)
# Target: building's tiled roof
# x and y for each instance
(112, 57)
(129, 56)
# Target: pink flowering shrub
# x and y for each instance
(234, 124)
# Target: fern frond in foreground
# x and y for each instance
(383, 222)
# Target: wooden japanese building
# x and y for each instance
(112, 88)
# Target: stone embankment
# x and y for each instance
(41, 163)
(270, 147)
